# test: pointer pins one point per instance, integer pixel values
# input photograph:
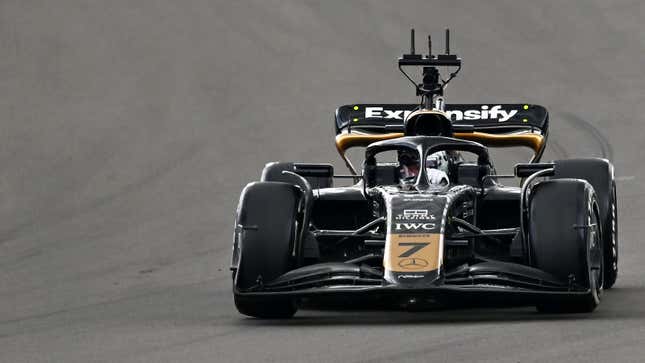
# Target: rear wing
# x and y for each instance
(492, 118)
(496, 125)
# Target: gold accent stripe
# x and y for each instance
(533, 141)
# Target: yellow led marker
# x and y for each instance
(526, 107)
(355, 108)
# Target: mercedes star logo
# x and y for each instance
(413, 263)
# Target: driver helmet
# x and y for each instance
(436, 167)
(409, 165)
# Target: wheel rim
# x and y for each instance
(595, 255)
(614, 231)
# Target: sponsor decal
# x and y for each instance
(413, 263)
(414, 226)
(424, 199)
(485, 112)
(414, 248)
(415, 215)
(380, 112)
(410, 276)
(417, 218)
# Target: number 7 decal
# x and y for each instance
(414, 247)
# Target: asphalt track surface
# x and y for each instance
(128, 129)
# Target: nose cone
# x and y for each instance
(414, 241)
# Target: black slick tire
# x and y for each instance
(600, 174)
(265, 234)
(565, 241)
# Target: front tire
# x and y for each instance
(600, 174)
(566, 242)
(265, 236)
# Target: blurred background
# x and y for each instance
(128, 129)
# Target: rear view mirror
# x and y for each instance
(524, 170)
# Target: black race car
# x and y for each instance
(401, 232)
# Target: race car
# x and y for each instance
(428, 218)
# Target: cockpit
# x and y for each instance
(424, 162)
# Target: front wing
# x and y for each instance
(487, 283)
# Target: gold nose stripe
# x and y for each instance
(414, 252)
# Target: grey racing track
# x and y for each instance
(128, 129)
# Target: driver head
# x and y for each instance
(409, 165)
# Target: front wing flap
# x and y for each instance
(488, 282)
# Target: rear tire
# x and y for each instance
(265, 235)
(563, 243)
(600, 174)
